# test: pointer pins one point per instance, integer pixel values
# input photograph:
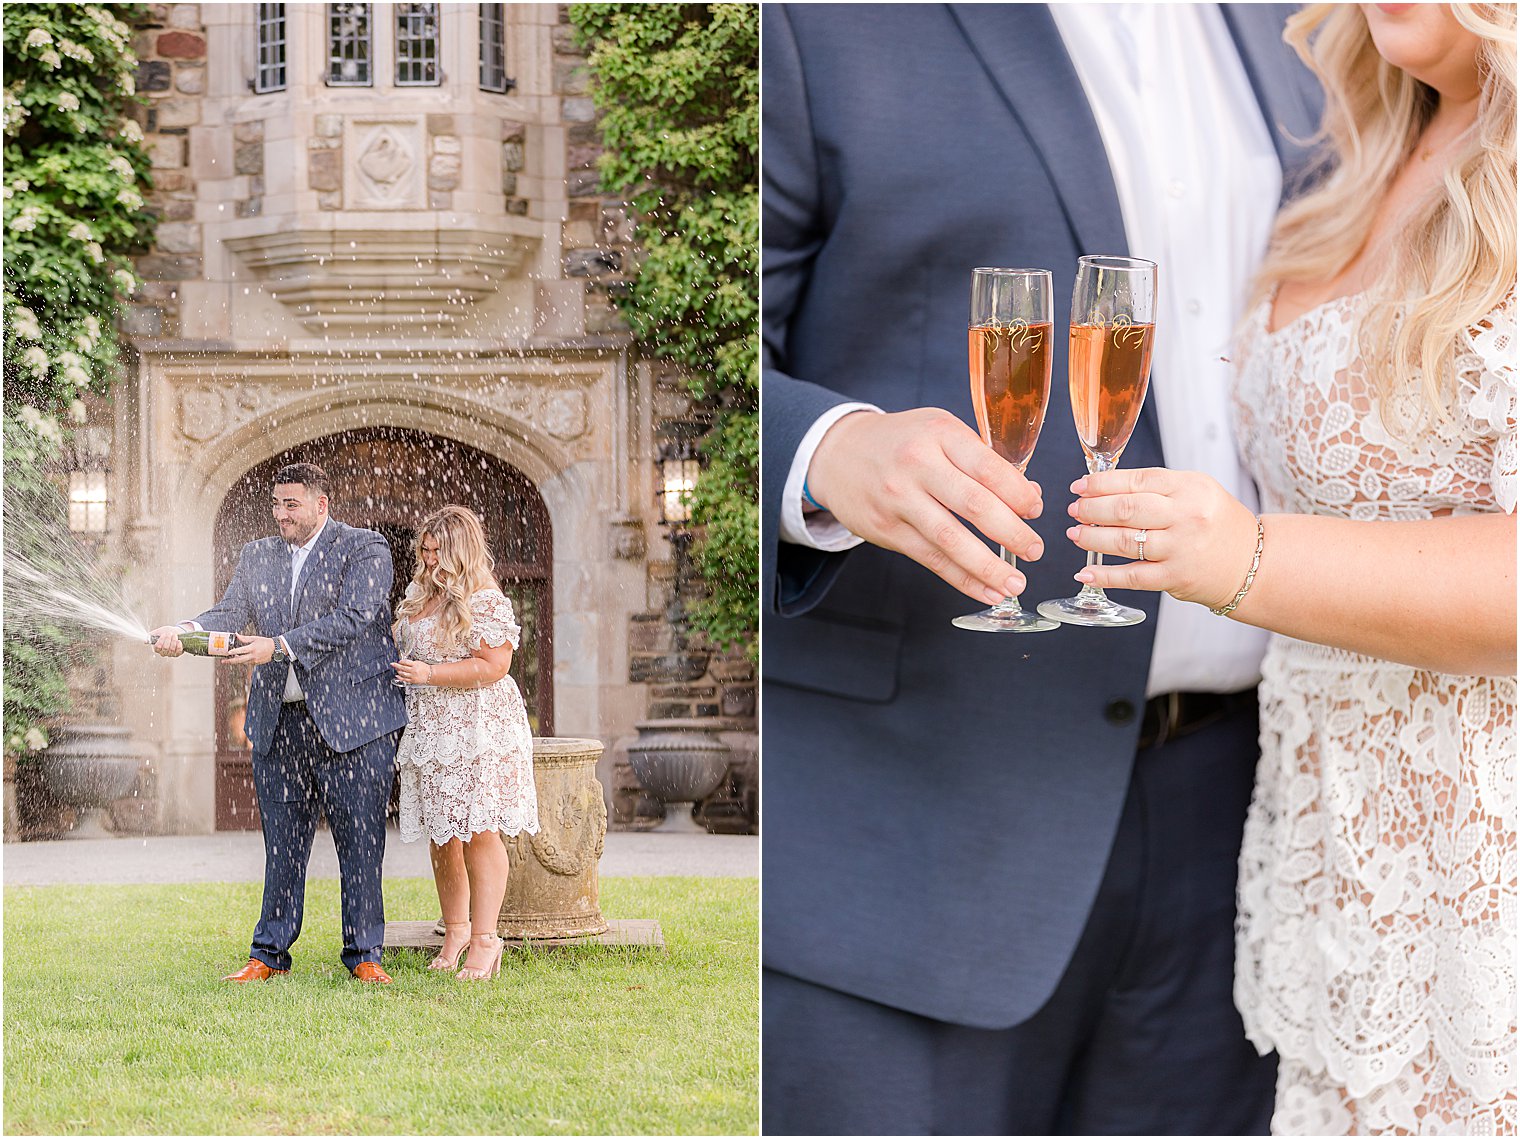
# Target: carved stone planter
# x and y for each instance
(679, 762)
(89, 766)
(552, 891)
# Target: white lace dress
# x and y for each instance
(466, 758)
(1376, 939)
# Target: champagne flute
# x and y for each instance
(1113, 327)
(406, 643)
(1009, 342)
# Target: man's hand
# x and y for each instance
(899, 480)
(252, 650)
(166, 641)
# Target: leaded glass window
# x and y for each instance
(349, 46)
(270, 75)
(417, 45)
(493, 49)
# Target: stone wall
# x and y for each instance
(171, 50)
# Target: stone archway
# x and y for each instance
(388, 479)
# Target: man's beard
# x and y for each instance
(301, 535)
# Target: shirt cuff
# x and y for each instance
(195, 626)
(819, 530)
(285, 647)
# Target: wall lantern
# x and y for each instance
(89, 485)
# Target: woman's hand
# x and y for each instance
(413, 671)
(1199, 540)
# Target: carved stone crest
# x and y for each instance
(386, 170)
(563, 414)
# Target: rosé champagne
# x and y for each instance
(1109, 370)
(1010, 386)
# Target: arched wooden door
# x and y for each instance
(388, 479)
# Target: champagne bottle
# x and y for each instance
(204, 643)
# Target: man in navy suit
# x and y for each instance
(999, 870)
(323, 716)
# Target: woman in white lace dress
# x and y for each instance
(466, 759)
(1376, 940)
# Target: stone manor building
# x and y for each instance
(382, 248)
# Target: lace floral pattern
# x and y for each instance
(466, 759)
(1375, 944)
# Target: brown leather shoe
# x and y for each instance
(255, 970)
(371, 973)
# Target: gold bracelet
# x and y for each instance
(1261, 540)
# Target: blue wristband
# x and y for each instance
(809, 499)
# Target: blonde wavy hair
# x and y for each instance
(464, 567)
(1451, 260)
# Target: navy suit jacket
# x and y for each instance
(940, 805)
(338, 629)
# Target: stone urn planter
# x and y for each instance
(679, 762)
(552, 889)
(88, 766)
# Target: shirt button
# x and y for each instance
(1119, 712)
(1194, 307)
(1175, 188)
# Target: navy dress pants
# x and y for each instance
(1141, 1036)
(298, 777)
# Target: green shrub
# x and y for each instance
(678, 88)
(73, 191)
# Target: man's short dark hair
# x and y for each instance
(308, 475)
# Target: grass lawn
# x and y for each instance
(116, 1021)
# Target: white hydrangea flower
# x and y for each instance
(125, 282)
(129, 198)
(40, 424)
(69, 359)
(52, 59)
(24, 222)
(131, 131)
(35, 738)
(77, 376)
(81, 232)
(77, 51)
(37, 360)
(38, 37)
(97, 254)
(15, 113)
(127, 83)
(84, 343)
(24, 323)
(92, 326)
(68, 101)
(77, 411)
(123, 167)
(21, 185)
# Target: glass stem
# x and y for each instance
(1092, 593)
(1009, 606)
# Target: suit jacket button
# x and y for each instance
(1119, 712)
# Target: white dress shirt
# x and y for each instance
(298, 556)
(1198, 184)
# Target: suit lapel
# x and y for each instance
(314, 557)
(1020, 48)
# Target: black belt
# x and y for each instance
(1178, 714)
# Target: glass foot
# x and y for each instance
(1000, 620)
(1096, 610)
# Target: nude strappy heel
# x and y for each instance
(484, 940)
(442, 964)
